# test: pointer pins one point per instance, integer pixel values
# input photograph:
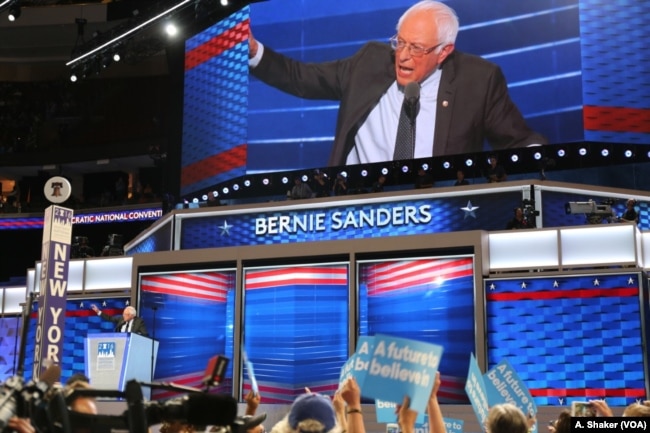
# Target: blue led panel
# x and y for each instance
(296, 328)
(429, 300)
(570, 338)
(191, 314)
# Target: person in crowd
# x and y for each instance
(320, 184)
(79, 403)
(495, 171)
(460, 178)
(310, 413)
(128, 322)
(300, 189)
(406, 416)
(506, 418)
(630, 214)
(77, 377)
(518, 221)
(20, 425)
(340, 186)
(423, 179)
(370, 87)
(562, 424)
(378, 185)
(602, 409)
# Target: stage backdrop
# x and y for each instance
(571, 338)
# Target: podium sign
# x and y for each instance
(115, 358)
(55, 258)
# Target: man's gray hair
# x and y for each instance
(131, 310)
(445, 19)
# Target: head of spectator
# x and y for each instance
(77, 377)
(506, 418)
(309, 413)
(80, 403)
(460, 178)
(562, 424)
(637, 410)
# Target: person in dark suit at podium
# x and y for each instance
(128, 322)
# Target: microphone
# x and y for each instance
(412, 100)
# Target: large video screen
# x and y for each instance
(191, 314)
(547, 50)
(428, 299)
(296, 328)
(80, 321)
(570, 338)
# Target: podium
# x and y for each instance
(112, 359)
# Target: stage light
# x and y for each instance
(225, 190)
(405, 169)
(604, 153)
(117, 57)
(235, 187)
(195, 200)
(384, 171)
(446, 165)
(73, 77)
(582, 151)
(215, 193)
(628, 153)
(247, 183)
(14, 12)
(514, 157)
(364, 173)
(469, 162)
(223, 3)
(537, 156)
(304, 178)
(344, 174)
(171, 29)
(425, 166)
(204, 197)
(561, 153)
(285, 180)
(265, 181)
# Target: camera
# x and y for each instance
(582, 408)
(26, 400)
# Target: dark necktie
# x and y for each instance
(404, 142)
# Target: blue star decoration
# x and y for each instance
(469, 210)
(225, 228)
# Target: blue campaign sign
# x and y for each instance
(399, 367)
(504, 386)
(387, 412)
(454, 425)
(357, 365)
(475, 389)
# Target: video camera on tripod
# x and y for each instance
(595, 213)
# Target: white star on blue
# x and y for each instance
(225, 228)
(469, 210)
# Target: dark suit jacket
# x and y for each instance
(138, 326)
(473, 100)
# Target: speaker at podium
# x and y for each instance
(112, 359)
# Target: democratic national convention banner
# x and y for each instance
(499, 385)
(388, 368)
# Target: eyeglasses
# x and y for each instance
(414, 50)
